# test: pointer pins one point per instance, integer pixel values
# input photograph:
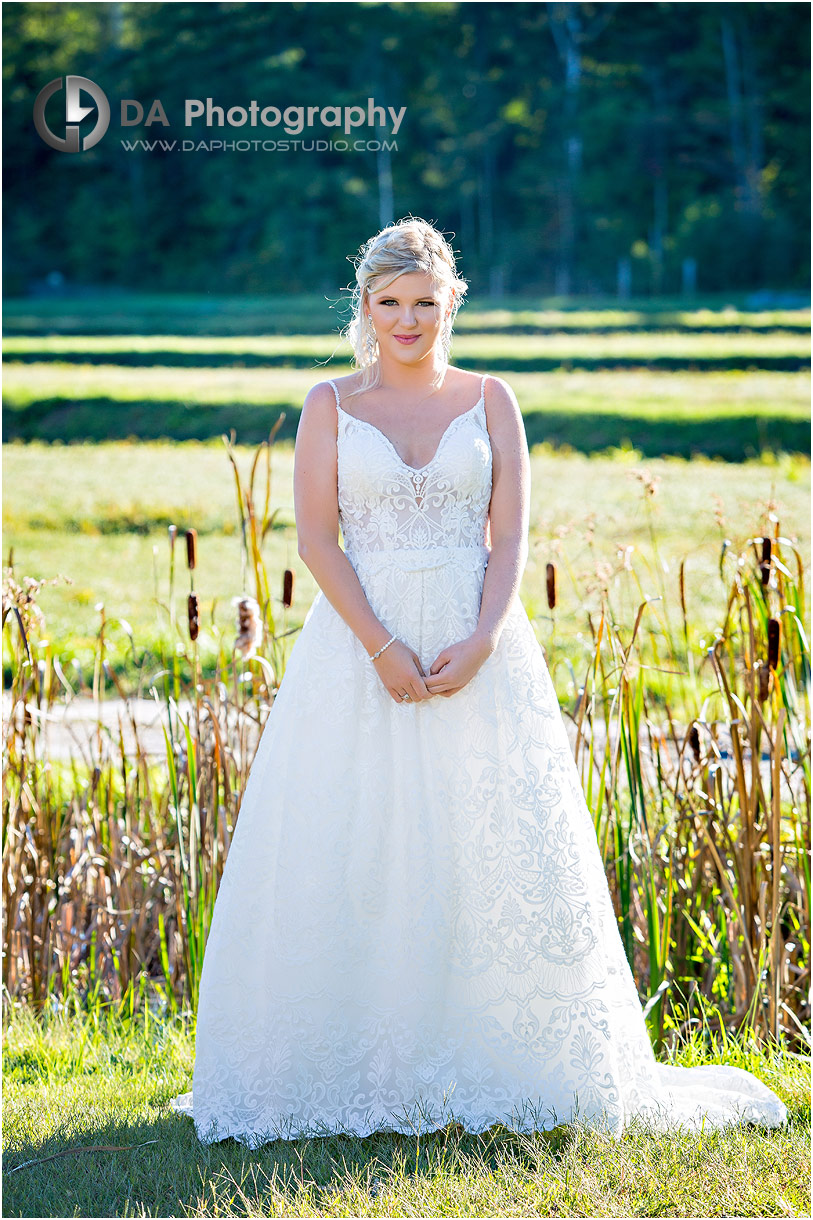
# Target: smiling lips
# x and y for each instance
(407, 338)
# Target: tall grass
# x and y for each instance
(111, 862)
(705, 843)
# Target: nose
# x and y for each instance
(407, 316)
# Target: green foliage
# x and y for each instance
(552, 141)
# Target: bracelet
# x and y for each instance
(375, 655)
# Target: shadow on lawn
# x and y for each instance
(732, 438)
(161, 1167)
(513, 362)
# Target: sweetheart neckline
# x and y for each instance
(426, 465)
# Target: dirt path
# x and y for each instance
(69, 729)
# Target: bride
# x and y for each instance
(413, 925)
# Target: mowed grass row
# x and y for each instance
(109, 1083)
(98, 515)
(645, 346)
(652, 395)
(731, 414)
(129, 494)
(136, 314)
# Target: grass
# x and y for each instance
(75, 1081)
(616, 525)
(732, 414)
(710, 876)
(518, 348)
(652, 395)
(101, 312)
(101, 509)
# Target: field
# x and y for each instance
(670, 493)
(109, 1085)
(102, 509)
(712, 401)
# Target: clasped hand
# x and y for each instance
(400, 669)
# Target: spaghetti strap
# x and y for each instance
(335, 391)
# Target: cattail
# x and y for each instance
(193, 612)
(773, 642)
(172, 530)
(649, 480)
(765, 565)
(288, 589)
(550, 574)
(191, 549)
(694, 741)
(249, 626)
(764, 682)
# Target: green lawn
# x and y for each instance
(136, 313)
(76, 1083)
(561, 345)
(96, 510)
(733, 414)
(643, 401)
(98, 515)
(654, 395)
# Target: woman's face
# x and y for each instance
(408, 316)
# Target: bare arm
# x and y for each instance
(509, 515)
(509, 511)
(316, 504)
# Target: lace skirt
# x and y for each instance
(413, 924)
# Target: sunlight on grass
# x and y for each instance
(550, 342)
(77, 1081)
(638, 390)
(101, 509)
(619, 529)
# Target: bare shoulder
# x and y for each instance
(502, 409)
(319, 397)
(318, 415)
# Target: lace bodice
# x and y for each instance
(386, 505)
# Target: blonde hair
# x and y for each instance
(408, 245)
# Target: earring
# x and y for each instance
(446, 338)
(369, 338)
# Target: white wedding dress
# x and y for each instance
(413, 924)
